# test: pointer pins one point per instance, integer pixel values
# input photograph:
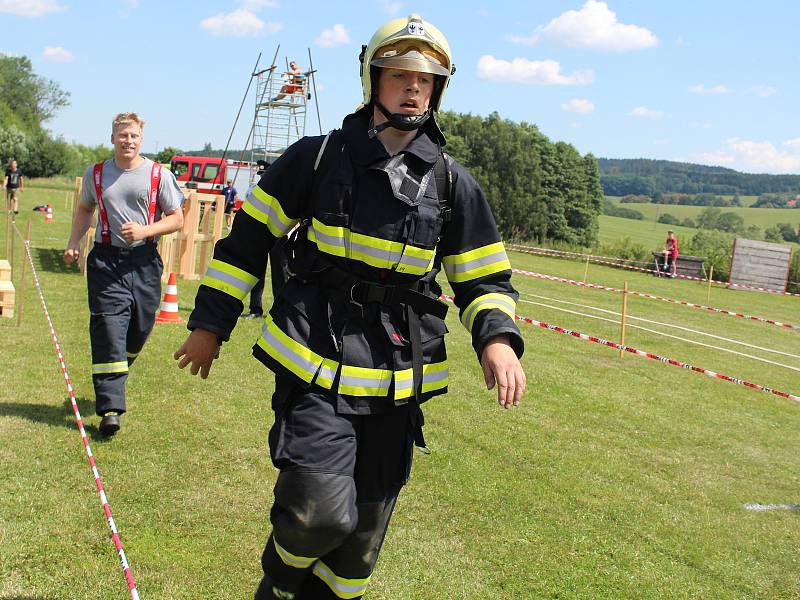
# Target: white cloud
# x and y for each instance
(594, 26)
(754, 156)
(763, 156)
(57, 54)
(646, 113)
(531, 72)
(714, 159)
(259, 4)
(578, 105)
(30, 8)
(333, 36)
(392, 8)
(239, 23)
(763, 91)
(714, 89)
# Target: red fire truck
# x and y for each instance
(209, 175)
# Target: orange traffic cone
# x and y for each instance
(48, 218)
(169, 306)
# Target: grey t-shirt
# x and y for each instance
(126, 197)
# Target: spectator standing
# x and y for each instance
(671, 253)
(13, 184)
(138, 200)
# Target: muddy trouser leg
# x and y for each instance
(110, 302)
(329, 522)
(146, 290)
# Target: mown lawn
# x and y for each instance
(762, 217)
(616, 478)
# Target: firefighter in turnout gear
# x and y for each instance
(137, 201)
(356, 335)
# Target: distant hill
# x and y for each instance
(623, 176)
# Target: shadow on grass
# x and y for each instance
(57, 416)
(50, 259)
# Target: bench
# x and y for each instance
(687, 265)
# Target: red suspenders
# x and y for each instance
(97, 177)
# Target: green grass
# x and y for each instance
(762, 217)
(616, 478)
(651, 235)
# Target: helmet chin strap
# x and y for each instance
(398, 121)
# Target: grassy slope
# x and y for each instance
(762, 217)
(615, 479)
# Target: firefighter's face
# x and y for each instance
(127, 140)
(405, 92)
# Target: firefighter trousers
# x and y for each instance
(339, 479)
(124, 287)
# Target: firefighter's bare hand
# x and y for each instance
(200, 349)
(71, 255)
(501, 368)
(133, 232)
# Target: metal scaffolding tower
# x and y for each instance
(282, 100)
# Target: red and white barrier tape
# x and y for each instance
(663, 359)
(599, 260)
(652, 297)
(79, 421)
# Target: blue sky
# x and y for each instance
(706, 81)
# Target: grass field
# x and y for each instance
(616, 478)
(762, 217)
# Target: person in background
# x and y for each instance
(230, 193)
(297, 82)
(13, 184)
(137, 201)
(671, 253)
(356, 335)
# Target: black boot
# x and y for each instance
(267, 591)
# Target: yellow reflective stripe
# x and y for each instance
(435, 376)
(376, 252)
(486, 302)
(133, 354)
(298, 562)
(342, 587)
(266, 209)
(479, 262)
(120, 366)
(353, 381)
(293, 355)
(363, 381)
(226, 278)
(327, 373)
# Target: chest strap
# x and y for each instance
(97, 178)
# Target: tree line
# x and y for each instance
(621, 177)
(27, 102)
(538, 189)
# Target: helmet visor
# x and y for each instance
(410, 55)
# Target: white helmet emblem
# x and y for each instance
(415, 28)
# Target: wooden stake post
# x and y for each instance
(21, 302)
(586, 270)
(710, 278)
(624, 319)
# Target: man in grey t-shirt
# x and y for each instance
(137, 202)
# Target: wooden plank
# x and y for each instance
(745, 243)
(5, 270)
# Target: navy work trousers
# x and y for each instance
(339, 479)
(124, 289)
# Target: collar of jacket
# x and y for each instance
(367, 151)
